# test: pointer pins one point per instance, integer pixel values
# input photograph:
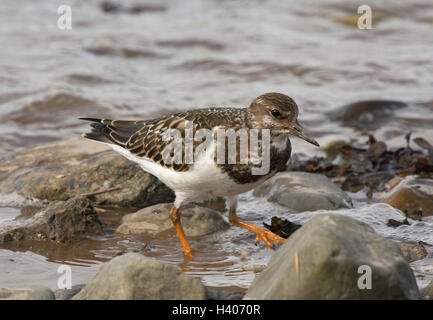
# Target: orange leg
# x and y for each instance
(262, 234)
(175, 218)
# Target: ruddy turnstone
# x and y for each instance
(204, 176)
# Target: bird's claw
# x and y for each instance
(269, 238)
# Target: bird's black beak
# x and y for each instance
(299, 131)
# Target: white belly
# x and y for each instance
(202, 182)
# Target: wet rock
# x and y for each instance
(26, 293)
(154, 220)
(253, 267)
(322, 260)
(413, 251)
(332, 148)
(427, 292)
(56, 111)
(369, 114)
(109, 7)
(14, 200)
(424, 144)
(61, 221)
(133, 276)
(217, 204)
(215, 294)
(28, 212)
(413, 195)
(67, 294)
(302, 191)
(69, 168)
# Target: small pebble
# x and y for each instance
(244, 255)
(118, 252)
(253, 267)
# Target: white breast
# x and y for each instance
(202, 182)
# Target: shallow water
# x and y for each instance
(224, 259)
(198, 53)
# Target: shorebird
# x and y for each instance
(206, 178)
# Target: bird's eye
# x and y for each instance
(275, 113)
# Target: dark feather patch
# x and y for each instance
(145, 138)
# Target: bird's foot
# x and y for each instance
(188, 255)
(269, 238)
(262, 234)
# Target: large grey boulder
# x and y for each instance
(26, 293)
(68, 294)
(224, 294)
(301, 191)
(331, 257)
(72, 167)
(135, 277)
(367, 114)
(60, 221)
(196, 221)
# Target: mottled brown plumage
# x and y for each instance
(145, 138)
(204, 177)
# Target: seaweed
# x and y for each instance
(370, 164)
(282, 227)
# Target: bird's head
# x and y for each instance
(278, 113)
